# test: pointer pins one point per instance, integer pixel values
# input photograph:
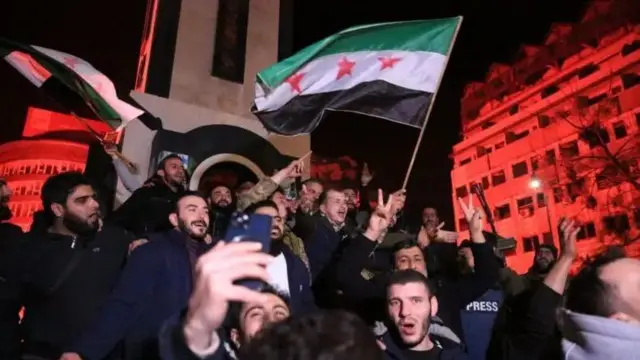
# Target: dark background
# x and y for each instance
(108, 33)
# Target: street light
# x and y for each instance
(536, 184)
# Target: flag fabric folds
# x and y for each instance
(389, 70)
(57, 72)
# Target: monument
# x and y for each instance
(196, 74)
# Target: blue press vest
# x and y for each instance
(477, 322)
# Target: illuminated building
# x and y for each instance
(51, 143)
(539, 136)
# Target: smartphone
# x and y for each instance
(291, 192)
(256, 227)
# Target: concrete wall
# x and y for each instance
(197, 98)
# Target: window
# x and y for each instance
(619, 130)
(485, 182)
(535, 163)
(525, 206)
(502, 212)
(595, 137)
(569, 149)
(547, 238)
(482, 151)
(499, 145)
(618, 223)
(587, 231)
(519, 169)
(461, 191)
(530, 243)
(558, 194)
(498, 178)
(465, 161)
(550, 156)
(543, 121)
(541, 200)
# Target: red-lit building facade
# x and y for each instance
(51, 143)
(557, 135)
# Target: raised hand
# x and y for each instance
(381, 217)
(216, 275)
(295, 169)
(445, 236)
(568, 235)
(366, 176)
(473, 216)
(399, 199)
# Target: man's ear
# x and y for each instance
(160, 172)
(434, 306)
(57, 209)
(173, 219)
(234, 334)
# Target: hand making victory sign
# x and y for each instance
(381, 217)
(474, 218)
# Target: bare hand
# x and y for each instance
(134, 244)
(215, 287)
(366, 176)
(70, 356)
(568, 235)
(381, 217)
(472, 215)
(295, 169)
(450, 237)
(399, 199)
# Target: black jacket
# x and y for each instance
(146, 210)
(61, 281)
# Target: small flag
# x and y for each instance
(55, 72)
(389, 70)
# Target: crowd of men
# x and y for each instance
(343, 278)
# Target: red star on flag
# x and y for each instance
(344, 67)
(294, 82)
(388, 62)
(71, 61)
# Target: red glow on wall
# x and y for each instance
(52, 143)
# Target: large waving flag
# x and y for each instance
(389, 70)
(42, 67)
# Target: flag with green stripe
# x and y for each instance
(57, 73)
(389, 70)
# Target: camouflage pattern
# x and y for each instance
(261, 191)
(297, 246)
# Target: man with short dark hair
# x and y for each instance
(155, 284)
(147, 209)
(411, 305)
(222, 205)
(61, 275)
(602, 320)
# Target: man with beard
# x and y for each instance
(9, 234)
(148, 208)
(60, 275)
(410, 305)
(222, 206)
(155, 284)
(287, 273)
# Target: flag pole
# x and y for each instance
(433, 100)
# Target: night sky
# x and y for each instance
(108, 34)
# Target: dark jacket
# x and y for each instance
(61, 282)
(155, 284)
(529, 327)
(452, 295)
(478, 318)
(302, 300)
(173, 345)
(450, 351)
(146, 210)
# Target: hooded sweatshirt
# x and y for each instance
(587, 337)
